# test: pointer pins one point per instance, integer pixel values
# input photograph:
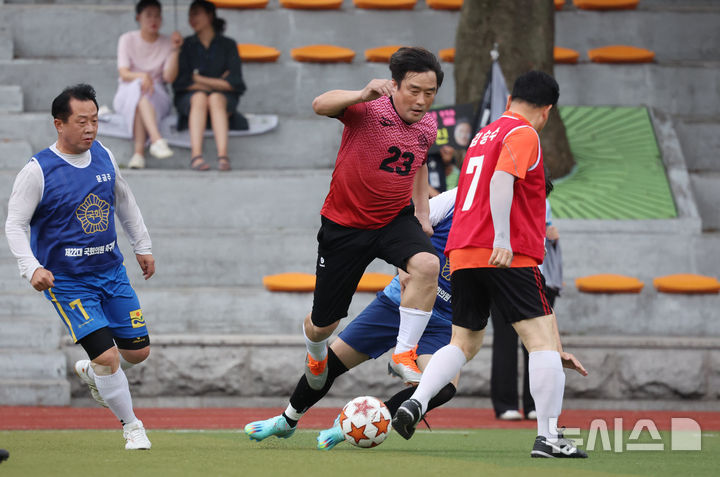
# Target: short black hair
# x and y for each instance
(61, 104)
(417, 60)
(143, 4)
(536, 88)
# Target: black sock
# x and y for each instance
(443, 396)
(304, 397)
(393, 404)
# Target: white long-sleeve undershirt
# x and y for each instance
(26, 196)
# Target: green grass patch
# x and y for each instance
(619, 173)
(437, 453)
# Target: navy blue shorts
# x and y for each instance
(375, 330)
(92, 301)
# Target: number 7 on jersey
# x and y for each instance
(475, 168)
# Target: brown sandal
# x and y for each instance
(197, 163)
(224, 163)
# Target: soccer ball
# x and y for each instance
(365, 421)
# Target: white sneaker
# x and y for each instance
(160, 149)
(81, 368)
(137, 161)
(532, 415)
(510, 415)
(134, 434)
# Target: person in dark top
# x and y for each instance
(208, 84)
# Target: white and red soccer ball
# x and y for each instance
(365, 421)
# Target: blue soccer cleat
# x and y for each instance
(275, 426)
(329, 438)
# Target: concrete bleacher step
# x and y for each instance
(274, 26)
(35, 392)
(30, 332)
(672, 35)
(294, 85)
(32, 364)
(707, 192)
(700, 140)
(199, 309)
(14, 153)
(315, 141)
(221, 201)
(11, 98)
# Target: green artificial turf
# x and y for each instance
(438, 453)
(619, 173)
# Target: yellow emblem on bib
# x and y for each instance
(93, 214)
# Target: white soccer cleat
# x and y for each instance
(81, 368)
(134, 434)
(160, 149)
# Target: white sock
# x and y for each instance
(412, 325)
(442, 368)
(292, 413)
(547, 385)
(125, 364)
(115, 391)
(317, 349)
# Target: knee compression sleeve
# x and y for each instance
(97, 342)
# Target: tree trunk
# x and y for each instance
(525, 33)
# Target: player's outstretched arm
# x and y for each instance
(333, 103)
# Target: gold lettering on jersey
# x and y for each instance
(93, 214)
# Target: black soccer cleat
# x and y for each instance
(407, 417)
(562, 448)
(4, 455)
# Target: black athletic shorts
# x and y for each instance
(514, 294)
(345, 252)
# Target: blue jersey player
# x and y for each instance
(371, 334)
(67, 196)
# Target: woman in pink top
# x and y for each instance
(146, 60)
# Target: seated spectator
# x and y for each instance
(147, 61)
(209, 84)
(441, 169)
(452, 172)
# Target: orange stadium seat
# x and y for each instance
(374, 282)
(621, 54)
(559, 4)
(565, 55)
(240, 3)
(445, 4)
(305, 282)
(250, 52)
(290, 282)
(385, 4)
(606, 4)
(381, 54)
(312, 4)
(609, 283)
(687, 283)
(447, 55)
(323, 54)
